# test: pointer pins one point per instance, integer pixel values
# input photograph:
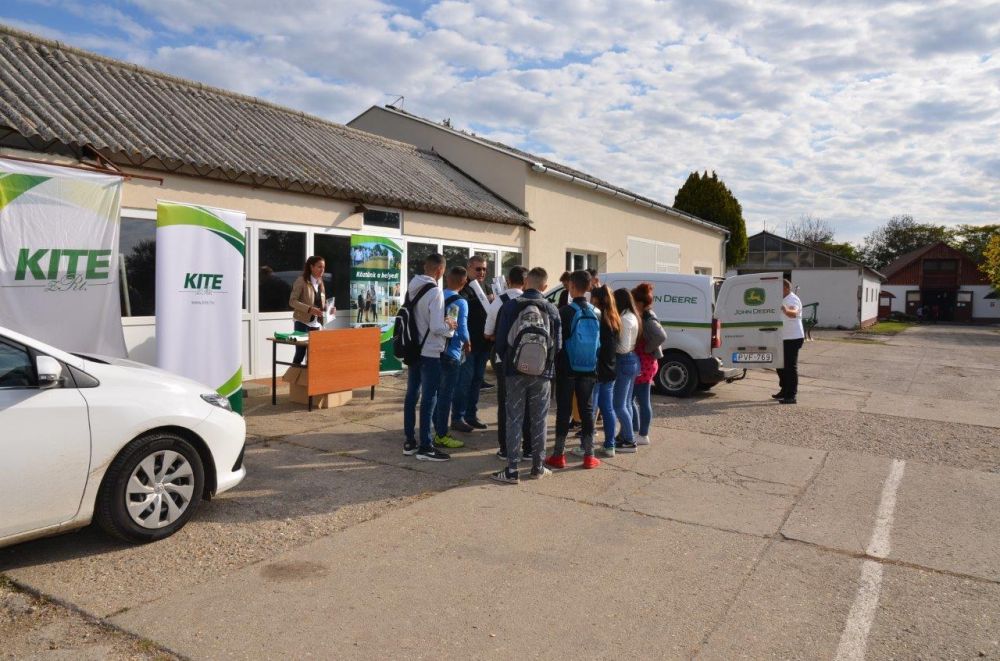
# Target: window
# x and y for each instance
(491, 264)
(912, 297)
(645, 255)
(416, 253)
(940, 265)
(456, 256)
(137, 267)
(336, 252)
(383, 219)
(510, 260)
(16, 370)
(703, 270)
(964, 297)
(577, 261)
(282, 254)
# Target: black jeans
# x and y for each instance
(300, 349)
(502, 417)
(567, 385)
(788, 376)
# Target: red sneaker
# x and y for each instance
(591, 462)
(556, 461)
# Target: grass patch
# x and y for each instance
(887, 328)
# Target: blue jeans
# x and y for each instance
(450, 370)
(643, 392)
(300, 349)
(605, 402)
(626, 369)
(466, 405)
(422, 381)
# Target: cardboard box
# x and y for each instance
(297, 379)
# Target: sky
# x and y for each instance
(849, 111)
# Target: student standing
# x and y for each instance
(649, 349)
(793, 335)
(564, 294)
(456, 308)
(529, 338)
(308, 300)
(361, 307)
(515, 288)
(424, 376)
(611, 328)
(626, 369)
(465, 410)
(576, 371)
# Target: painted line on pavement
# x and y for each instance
(854, 640)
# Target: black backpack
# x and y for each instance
(405, 344)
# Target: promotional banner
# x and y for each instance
(376, 278)
(199, 295)
(58, 255)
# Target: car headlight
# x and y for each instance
(215, 399)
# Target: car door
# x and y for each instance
(44, 445)
(748, 308)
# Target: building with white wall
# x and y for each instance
(847, 292)
(578, 221)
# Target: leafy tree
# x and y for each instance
(899, 236)
(708, 197)
(818, 233)
(973, 239)
(991, 261)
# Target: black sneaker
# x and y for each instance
(625, 446)
(787, 400)
(461, 425)
(505, 477)
(486, 386)
(432, 454)
(410, 448)
(778, 395)
(501, 455)
(476, 423)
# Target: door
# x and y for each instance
(748, 308)
(884, 305)
(45, 445)
(963, 306)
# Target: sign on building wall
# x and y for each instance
(376, 278)
(199, 295)
(59, 273)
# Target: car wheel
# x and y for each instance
(151, 489)
(677, 376)
(705, 387)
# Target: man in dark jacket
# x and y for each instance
(527, 394)
(465, 408)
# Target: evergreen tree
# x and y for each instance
(708, 198)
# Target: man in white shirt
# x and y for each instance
(424, 377)
(515, 287)
(793, 335)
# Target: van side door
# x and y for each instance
(748, 308)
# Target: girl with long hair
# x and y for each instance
(611, 328)
(626, 370)
(308, 301)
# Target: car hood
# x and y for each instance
(109, 366)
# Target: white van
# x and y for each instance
(707, 344)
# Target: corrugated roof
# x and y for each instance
(804, 246)
(553, 165)
(53, 94)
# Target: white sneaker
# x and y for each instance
(642, 440)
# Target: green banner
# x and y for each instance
(376, 280)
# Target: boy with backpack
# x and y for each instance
(576, 371)
(457, 309)
(529, 338)
(419, 338)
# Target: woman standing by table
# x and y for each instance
(308, 301)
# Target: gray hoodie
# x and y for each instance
(430, 314)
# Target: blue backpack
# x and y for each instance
(584, 339)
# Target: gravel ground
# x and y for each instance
(960, 446)
(32, 628)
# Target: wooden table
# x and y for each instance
(342, 360)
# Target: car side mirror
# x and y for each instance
(49, 371)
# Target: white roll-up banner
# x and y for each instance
(58, 254)
(199, 295)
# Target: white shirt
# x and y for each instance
(315, 322)
(629, 334)
(792, 328)
(430, 314)
(493, 311)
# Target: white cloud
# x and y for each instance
(850, 111)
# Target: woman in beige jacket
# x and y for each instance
(308, 300)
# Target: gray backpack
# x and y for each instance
(529, 343)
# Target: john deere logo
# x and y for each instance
(754, 296)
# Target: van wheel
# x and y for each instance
(678, 376)
(151, 489)
(705, 387)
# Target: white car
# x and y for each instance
(129, 446)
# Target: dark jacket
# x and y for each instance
(607, 356)
(477, 320)
(506, 317)
(566, 314)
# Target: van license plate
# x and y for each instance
(752, 357)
